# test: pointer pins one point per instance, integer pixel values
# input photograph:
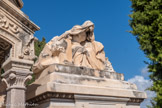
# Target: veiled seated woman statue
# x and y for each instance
(85, 50)
(74, 47)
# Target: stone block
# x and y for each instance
(68, 88)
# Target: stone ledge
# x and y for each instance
(66, 78)
(16, 12)
(85, 90)
(48, 95)
(82, 71)
(59, 97)
(17, 63)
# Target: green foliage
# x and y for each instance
(39, 45)
(32, 80)
(146, 23)
(2, 72)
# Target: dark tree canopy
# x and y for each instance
(146, 23)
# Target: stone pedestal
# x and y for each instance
(61, 86)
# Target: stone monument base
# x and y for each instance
(61, 86)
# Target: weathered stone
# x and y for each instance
(87, 77)
(98, 89)
(18, 3)
(16, 53)
(71, 72)
(92, 94)
(74, 47)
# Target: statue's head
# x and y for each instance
(89, 27)
(88, 24)
(78, 34)
(83, 33)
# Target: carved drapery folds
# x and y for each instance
(75, 47)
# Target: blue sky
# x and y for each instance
(111, 25)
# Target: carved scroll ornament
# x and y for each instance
(6, 24)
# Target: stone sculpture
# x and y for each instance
(73, 72)
(108, 66)
(75, 47)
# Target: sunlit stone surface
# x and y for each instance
(71, 71)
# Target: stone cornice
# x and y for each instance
(135, 100)
(12, 9)
(49, 95)
(70, 96)
(76, 70)
(17, 63)
(18, 3)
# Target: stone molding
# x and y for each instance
(14, 63)
(16, 12)
(49, 95)
(18, 3)
(17, 34)
(135, 100)
(6, 24)
(14, 41)
(84, 71)
(57, 95)
(104, 90)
